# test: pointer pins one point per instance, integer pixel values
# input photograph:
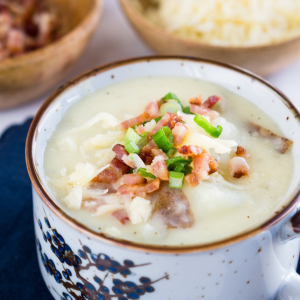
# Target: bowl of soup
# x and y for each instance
(263, 37)
(166, 177)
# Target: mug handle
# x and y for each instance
(290, 288)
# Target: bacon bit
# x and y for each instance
(146, 153)
(192, 179)
(159, 168)
(281, 144)
(121, 215)
(15, 41)
(140, 129)
(120, 151)
(131, 179)
(211, 101)
(140, 190)
(115, 171)
(129, 162)
(134, 121)
(204, 165)
(242, 152)
(238, 167)
(204, 111)
(152, 109)
(174, 120)
(162, 122)
(196, 100)
(159, 152)
(179, 133)
(190, 150)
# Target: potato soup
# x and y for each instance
(168, 161)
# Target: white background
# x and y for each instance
(115, 39)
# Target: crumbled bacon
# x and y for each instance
(120, 151)
(15, 42)
(134, 121)
(25, 26)
(159, 168)
(140, 129)
(179, 133)
(238, 167)
(192, 179)
(121, 215)
(211, 101)
(139, 190)
(131, 179)
(196, 100)
(115, 171)
(146, 153)
(129, 162)
(204, 111)
(174, 120)
(159, 152)
(242, 152)
(204, 165)
(190, 150)
(162, 122)
(152, 109)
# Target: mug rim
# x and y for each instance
(148, 248)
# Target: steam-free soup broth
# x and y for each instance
(126, 161)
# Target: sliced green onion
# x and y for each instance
(130, 171)
(145, 174)
(178, 159)
(176, 179)
(171, 152)
(170, 96)
(187, 110)
(179, 164)
(210, 129)
(157, 119)
(171, 106)
(134, 127)
(132, 136)
(143, 141)
(163, 139)
(132, 147)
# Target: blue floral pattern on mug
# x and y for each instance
(75, 283)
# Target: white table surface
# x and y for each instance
(114, 40)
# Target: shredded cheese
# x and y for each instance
(230, 22)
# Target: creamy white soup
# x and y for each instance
(168, 161)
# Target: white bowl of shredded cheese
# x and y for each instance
(262, 36)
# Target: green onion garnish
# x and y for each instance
(157, 119)
(132, 136)
(187, 110)
(170, 96)
(132, 147)
(180, 164)
(176, 179)
(171, 152)
(210, 129)
(134, 127)
(171, 106)
(163, 139)
(144, 140)
(145, 174)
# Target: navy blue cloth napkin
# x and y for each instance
(20, 276)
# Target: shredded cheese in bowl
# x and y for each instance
(229, 22)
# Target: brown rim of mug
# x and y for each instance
(294, 198)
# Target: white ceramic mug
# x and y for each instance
(77, 263)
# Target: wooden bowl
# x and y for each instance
(28, 76)
(263, 60)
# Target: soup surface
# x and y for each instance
(234, 191)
